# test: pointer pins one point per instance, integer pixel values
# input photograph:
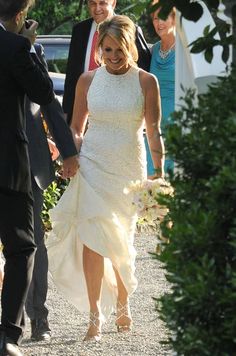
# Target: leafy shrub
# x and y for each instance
(200, 259)
(51, 196)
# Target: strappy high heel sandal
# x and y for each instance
(123, 312)
(94, 332)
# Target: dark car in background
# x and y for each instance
(58, 80)
(56, 49)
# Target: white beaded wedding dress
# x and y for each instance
(94, 211)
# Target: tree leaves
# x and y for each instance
(214, 4)
(225, 53)
(200, 258)
(51, 14)
(193, 11)
(207, 42)
(208, 54)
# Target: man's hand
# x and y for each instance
(69, 167)
(53, 149)
(29, 30)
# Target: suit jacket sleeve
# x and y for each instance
(54, 117)
(144, 54)
(31, 75)
(59, 129)
(71, 72)
(41, 55)
(75, 64)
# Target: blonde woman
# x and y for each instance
(92, 257)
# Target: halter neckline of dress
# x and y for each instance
(118, 75)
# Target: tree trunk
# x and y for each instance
(81, 2)
(229, 4)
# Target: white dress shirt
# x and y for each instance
(1, 25)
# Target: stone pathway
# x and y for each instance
(69, 326)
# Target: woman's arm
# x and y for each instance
(80, 109)
(152, 113)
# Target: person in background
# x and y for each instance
(21, 74)
(163, 67)
(82, 49)
(91, 254)
(2, 263)
(43, 174)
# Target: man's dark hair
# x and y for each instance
(10, 8)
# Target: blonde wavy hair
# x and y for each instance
(122, 30)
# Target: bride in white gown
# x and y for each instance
(91, 252)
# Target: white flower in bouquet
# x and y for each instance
(145, 199)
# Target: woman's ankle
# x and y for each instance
(122, 301)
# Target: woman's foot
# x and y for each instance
(123, 317)
(94, 332)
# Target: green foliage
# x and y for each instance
(58, 17)
(200, 259)
(207, 42)
(51, 197)
(53, 14)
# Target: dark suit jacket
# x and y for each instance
(20, 74)
(76, 60)
(40, 158)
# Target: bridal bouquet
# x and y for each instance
(145, 199)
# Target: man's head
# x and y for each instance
(13, 13)
(101, 10)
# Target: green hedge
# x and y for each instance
(200, 259)
(51, 196)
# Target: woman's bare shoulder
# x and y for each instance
(86, 79)
(147, 80)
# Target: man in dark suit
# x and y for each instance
(21, 73)
(81, 45)
(42, 174)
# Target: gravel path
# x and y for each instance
(69, 326)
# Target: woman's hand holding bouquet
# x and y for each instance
(146, 196)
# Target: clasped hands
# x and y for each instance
(70, 164)
(69, 167)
